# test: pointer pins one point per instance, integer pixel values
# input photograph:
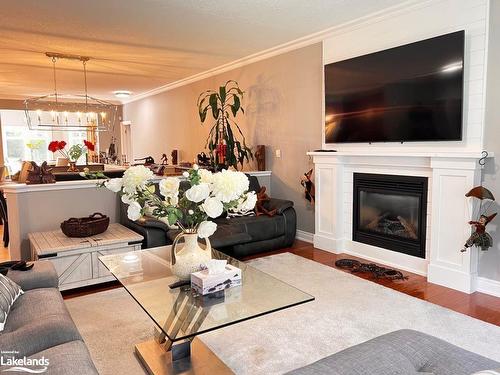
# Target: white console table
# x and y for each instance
(76, 259)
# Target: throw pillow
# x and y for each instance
(9, 292)
(239, 214)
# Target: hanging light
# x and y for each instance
(69, 112)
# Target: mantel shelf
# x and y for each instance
(461, 155)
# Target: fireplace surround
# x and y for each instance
(389, 211)
(449, 176)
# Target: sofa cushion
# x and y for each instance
(36, 304)
(38, 320)
(42, 275)
(224, 236)
(9, 292)
(68, 358)
(259, 228)
(402, 352)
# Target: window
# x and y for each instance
(22, 144)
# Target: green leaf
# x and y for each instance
(222, 93)
(172, 218)
(213, 104)
(236, 105)
(203, 114)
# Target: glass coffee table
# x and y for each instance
(180, 314)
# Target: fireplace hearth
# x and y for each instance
(390, 211)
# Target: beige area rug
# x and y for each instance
(347, 311)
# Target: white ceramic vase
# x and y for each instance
(188, 257)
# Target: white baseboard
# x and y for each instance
(327, 243)
(488, 286)
(451, 278)
(304, 236)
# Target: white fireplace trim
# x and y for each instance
(450, 176)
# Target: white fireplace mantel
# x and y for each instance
(450, 176)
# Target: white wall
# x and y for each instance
(282, 109)
(424, 20)
(489, 262)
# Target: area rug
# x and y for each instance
(347, 311)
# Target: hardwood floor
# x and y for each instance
(478, 305)
(4, 251)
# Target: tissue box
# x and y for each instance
(204, 283)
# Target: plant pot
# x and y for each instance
(188, 257)
(73, 167)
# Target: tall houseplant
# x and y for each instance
(224, 147)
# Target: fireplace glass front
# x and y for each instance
(390, 212)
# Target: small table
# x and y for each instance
(180, 314)
(76, 259)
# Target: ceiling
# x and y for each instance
(139, 45)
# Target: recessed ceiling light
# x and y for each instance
(122, 93)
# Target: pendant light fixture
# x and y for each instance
(69, 112)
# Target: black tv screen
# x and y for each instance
(408, 93)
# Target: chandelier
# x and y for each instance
(69, 112)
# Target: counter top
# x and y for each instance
(17, 188)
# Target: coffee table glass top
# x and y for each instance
(181, 313)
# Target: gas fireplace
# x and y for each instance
(390, 211)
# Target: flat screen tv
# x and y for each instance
(408, 93)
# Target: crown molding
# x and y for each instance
(310, 39)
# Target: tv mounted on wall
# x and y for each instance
(409, 93)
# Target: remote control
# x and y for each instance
(179, 284)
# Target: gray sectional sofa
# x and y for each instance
(403, 352)
(39, 325)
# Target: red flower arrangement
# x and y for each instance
(74, 152)
(57, 146)
(90, 146)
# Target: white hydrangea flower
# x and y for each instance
(229, 185)
(205, 176)
(136, 177)
(213, 207)
(206, 229)
(169, 186)
(198, 193)
(127, 199)
(134, 211)
(190, 212)
(172, 201)
(248, 203)
(114, 184)
(195, 167)
(185, 174)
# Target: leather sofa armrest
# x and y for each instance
(279, 204)
(151, 222)
(42, 275)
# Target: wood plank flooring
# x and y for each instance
(478, 305)
(4, 251)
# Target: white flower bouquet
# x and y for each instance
(208, 195)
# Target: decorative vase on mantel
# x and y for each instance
(72, 166)
(188, 257)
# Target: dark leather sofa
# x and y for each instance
(238, 236)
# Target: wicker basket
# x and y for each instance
(85, 226)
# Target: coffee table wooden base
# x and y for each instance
(159, 362)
